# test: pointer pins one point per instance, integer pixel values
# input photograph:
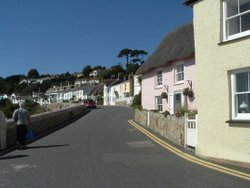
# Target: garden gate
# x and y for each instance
(191, 130)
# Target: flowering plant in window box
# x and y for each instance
(164, 95)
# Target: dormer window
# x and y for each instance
(236, 18)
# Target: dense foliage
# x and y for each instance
(8, 108)
(33, 73)
(137, 101)
(134, 58)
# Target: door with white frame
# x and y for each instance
(177, 100)
(171, 104)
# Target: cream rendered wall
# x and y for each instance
(125, 87)
(213, 61)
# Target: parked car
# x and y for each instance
(89, 103)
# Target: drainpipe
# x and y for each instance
(3, 129)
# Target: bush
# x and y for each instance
(192, 113)
(137, 101)
(166, 113)
(184, 109)
(99, 100)
(8, 108)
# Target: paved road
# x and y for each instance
(102, 150)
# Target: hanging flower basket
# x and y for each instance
(185, 91)
(188, 92)
(164, 95)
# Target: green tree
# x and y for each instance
(33, 73)
(132, 68)
(86, 70)
(7, 107)
(117, 69)
(98, 67)
(13, 82)
(106, 74)
(132, 56)
(137, 56)
(45, 86)
(137, 101)
(3, 86)
(112, 72)
(126, 52)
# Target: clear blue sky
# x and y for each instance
(59, 36)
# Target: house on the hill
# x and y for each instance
(95, 73)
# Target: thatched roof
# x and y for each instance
(189, 2)
(176, 45)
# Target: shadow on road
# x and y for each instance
(49, 146)
(13, 157)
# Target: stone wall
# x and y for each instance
(46, 122)
(169, 127)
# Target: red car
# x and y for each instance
(89, 103)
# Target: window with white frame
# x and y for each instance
(179, 73)
(240, 82)
(158, 79)
(236, 18)
(158, 102)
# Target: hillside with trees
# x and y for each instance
(25, 85)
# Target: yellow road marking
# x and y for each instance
(189, 157)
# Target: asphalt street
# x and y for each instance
(102, 150)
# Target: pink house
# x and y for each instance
(168, 75)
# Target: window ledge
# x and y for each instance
(238, 121)
(158, 87)
(179, 83)
(233, 40)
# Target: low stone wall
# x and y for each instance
(169, 127)
(45, 122)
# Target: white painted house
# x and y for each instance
(118, 93)
(137, 84)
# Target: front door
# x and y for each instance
(177, 101)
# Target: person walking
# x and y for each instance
(22, 118)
